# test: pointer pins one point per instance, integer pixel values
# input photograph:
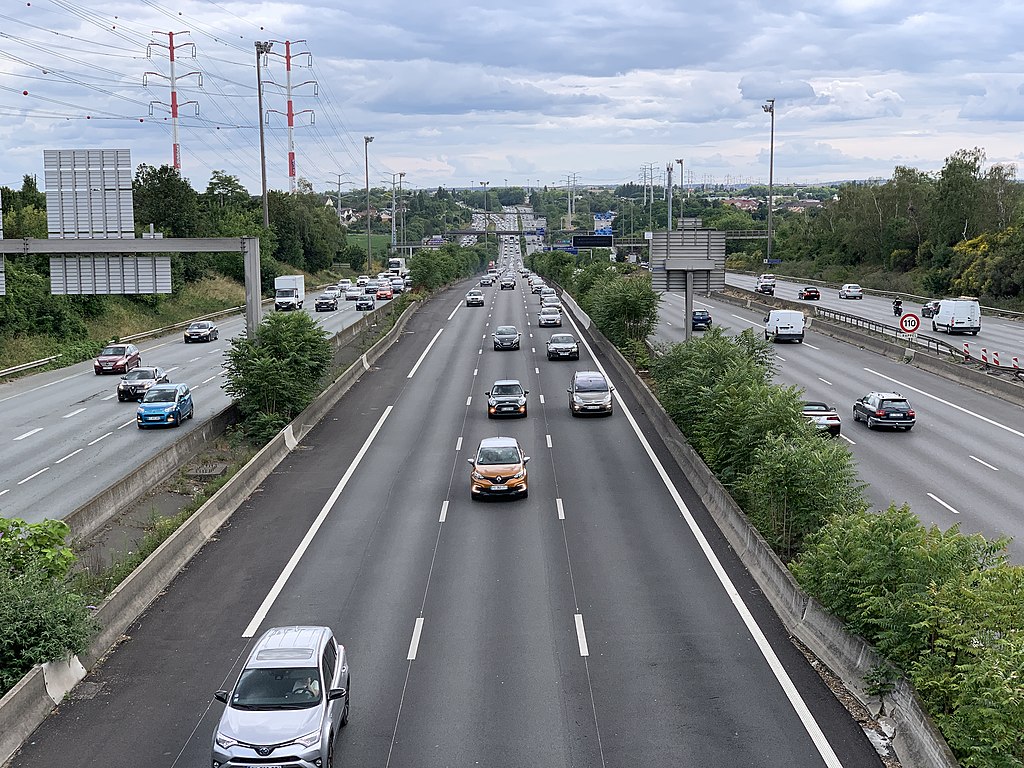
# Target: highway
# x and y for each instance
(998, 334)
(602, 621)
(957, 466)
(64, 437)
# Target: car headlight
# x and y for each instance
(309, 740)
(577, 399)
(170, 408)
(522, 401)
(476, 475)
(223, 741)
(520, 474)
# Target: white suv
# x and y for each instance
(851, 291)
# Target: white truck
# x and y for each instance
(784, 325)
(289, 292)
(961, 315)
(397, 267)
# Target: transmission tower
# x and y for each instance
(172, 48)
(290, 113)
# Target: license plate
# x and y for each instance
(153, 418)
(895, 415)
(261, 765)
(499, 487)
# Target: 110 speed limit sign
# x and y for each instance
(909, 323)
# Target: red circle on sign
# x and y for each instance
(909, 323)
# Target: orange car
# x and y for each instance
(499, 469)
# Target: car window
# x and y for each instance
(896, 405)
(502, 455)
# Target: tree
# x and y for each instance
(166, 200)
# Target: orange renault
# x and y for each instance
(499, 469)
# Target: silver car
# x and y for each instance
(289, 703)
(590, 392)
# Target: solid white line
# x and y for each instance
(847, 439)
(29, 433)
(414, 644)
(444, 511)
(127, 424)
(469, 400)
(561, 509)
(824, 381)
(455, 310)
(781, 675)
(425, 351)
(542, 399)
(207, 381)
(933, 497)
(73, 413)
(581, 635)
(101, 437)
(548, 438)
(58, 461)
(946, 402)
(985, 464)
(35, 474)
(268, 601)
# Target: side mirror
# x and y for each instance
(125, 376)
(569, 391)
(611, 388)
(525, 459)
(221, 696)
(471, 461)
(526, 391)
(766, 318)
(336, 693)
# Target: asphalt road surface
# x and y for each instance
(957, 466)
(600, 622)
(64, 437)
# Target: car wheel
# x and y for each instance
(495, 347)
(186, 339)
(348, 698)
(856, 417)
(910, 427)
(330, 752)
(526, 493)
(871, 422)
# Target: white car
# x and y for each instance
(851, 291)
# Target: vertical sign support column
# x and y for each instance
(253, 287)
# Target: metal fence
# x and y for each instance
(928, 343)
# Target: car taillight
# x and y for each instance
(911, 413)
(831, 418)
(880, 413)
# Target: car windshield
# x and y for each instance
(113, 352)
(506, 330)
(591, 385)
(562, 339)
(507, 389)
(160, 396)
(500, 455)
(279, 688)
(140, 373)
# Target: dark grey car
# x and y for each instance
(590, 393)
(289, 703)
(201, 330)
(506, 337)
(135, 384)
(563, 346)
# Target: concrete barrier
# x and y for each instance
(26, 705)
(917, 741)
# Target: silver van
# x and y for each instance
(289, 703)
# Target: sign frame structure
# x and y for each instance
(910, 323)
(593, 241)
(89, 193)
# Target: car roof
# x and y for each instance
(289, 645)
(588, 375)
(888, 395)
(499, 442)
(508, 381)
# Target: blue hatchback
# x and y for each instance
(165, 405)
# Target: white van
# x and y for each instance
(961, 315)
(784, 325)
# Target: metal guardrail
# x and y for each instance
(928, 343)
(27, 366)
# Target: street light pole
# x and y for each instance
(262, 49)
(769, 107)
(401, 203)
(339, 175)
(366, 166)
(487, 220)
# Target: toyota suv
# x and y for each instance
(499, 469)
(289, 703)
(590, 392)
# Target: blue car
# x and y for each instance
(165, 405)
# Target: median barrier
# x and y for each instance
(916, 740)
(28, 704)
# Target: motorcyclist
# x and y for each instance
(897, 306)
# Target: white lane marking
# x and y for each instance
(667, 323)
(34, 474)
(101, 437)
(946, 402)
(985, 464)
(475, 372)
(542, 399)
(73, 413)
(780, 358)
(479, 351)
(58, 461)
(5, 490)
(455, 310)
(847, 439)
(110, 397)
(425, 351)
(414, 644)
(774, 664)
(207, 381)
(548, 439)
(268, 601)
(810, 346)
(561, 509)
(444, 511)
(533, 350)
(933, 497)
(172, 370)
(469, 400)
(745, 320)
(29, 433)
(42, 386)
(536, 370)
(213, 351)
(458, 444)
(531, 333)
(128, 424)
(194, 359)
(581, 635)
(824, 381)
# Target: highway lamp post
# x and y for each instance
(329, 181)
(681, 195)
(769, 107)
(401, 204)
(262, 49)
(366, 167)
(487, 221)
(394, 182)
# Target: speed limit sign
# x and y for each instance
(909, 323)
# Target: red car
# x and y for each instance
(117, 358)
(385, 292)
(810, 293)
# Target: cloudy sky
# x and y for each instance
(521, 92)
